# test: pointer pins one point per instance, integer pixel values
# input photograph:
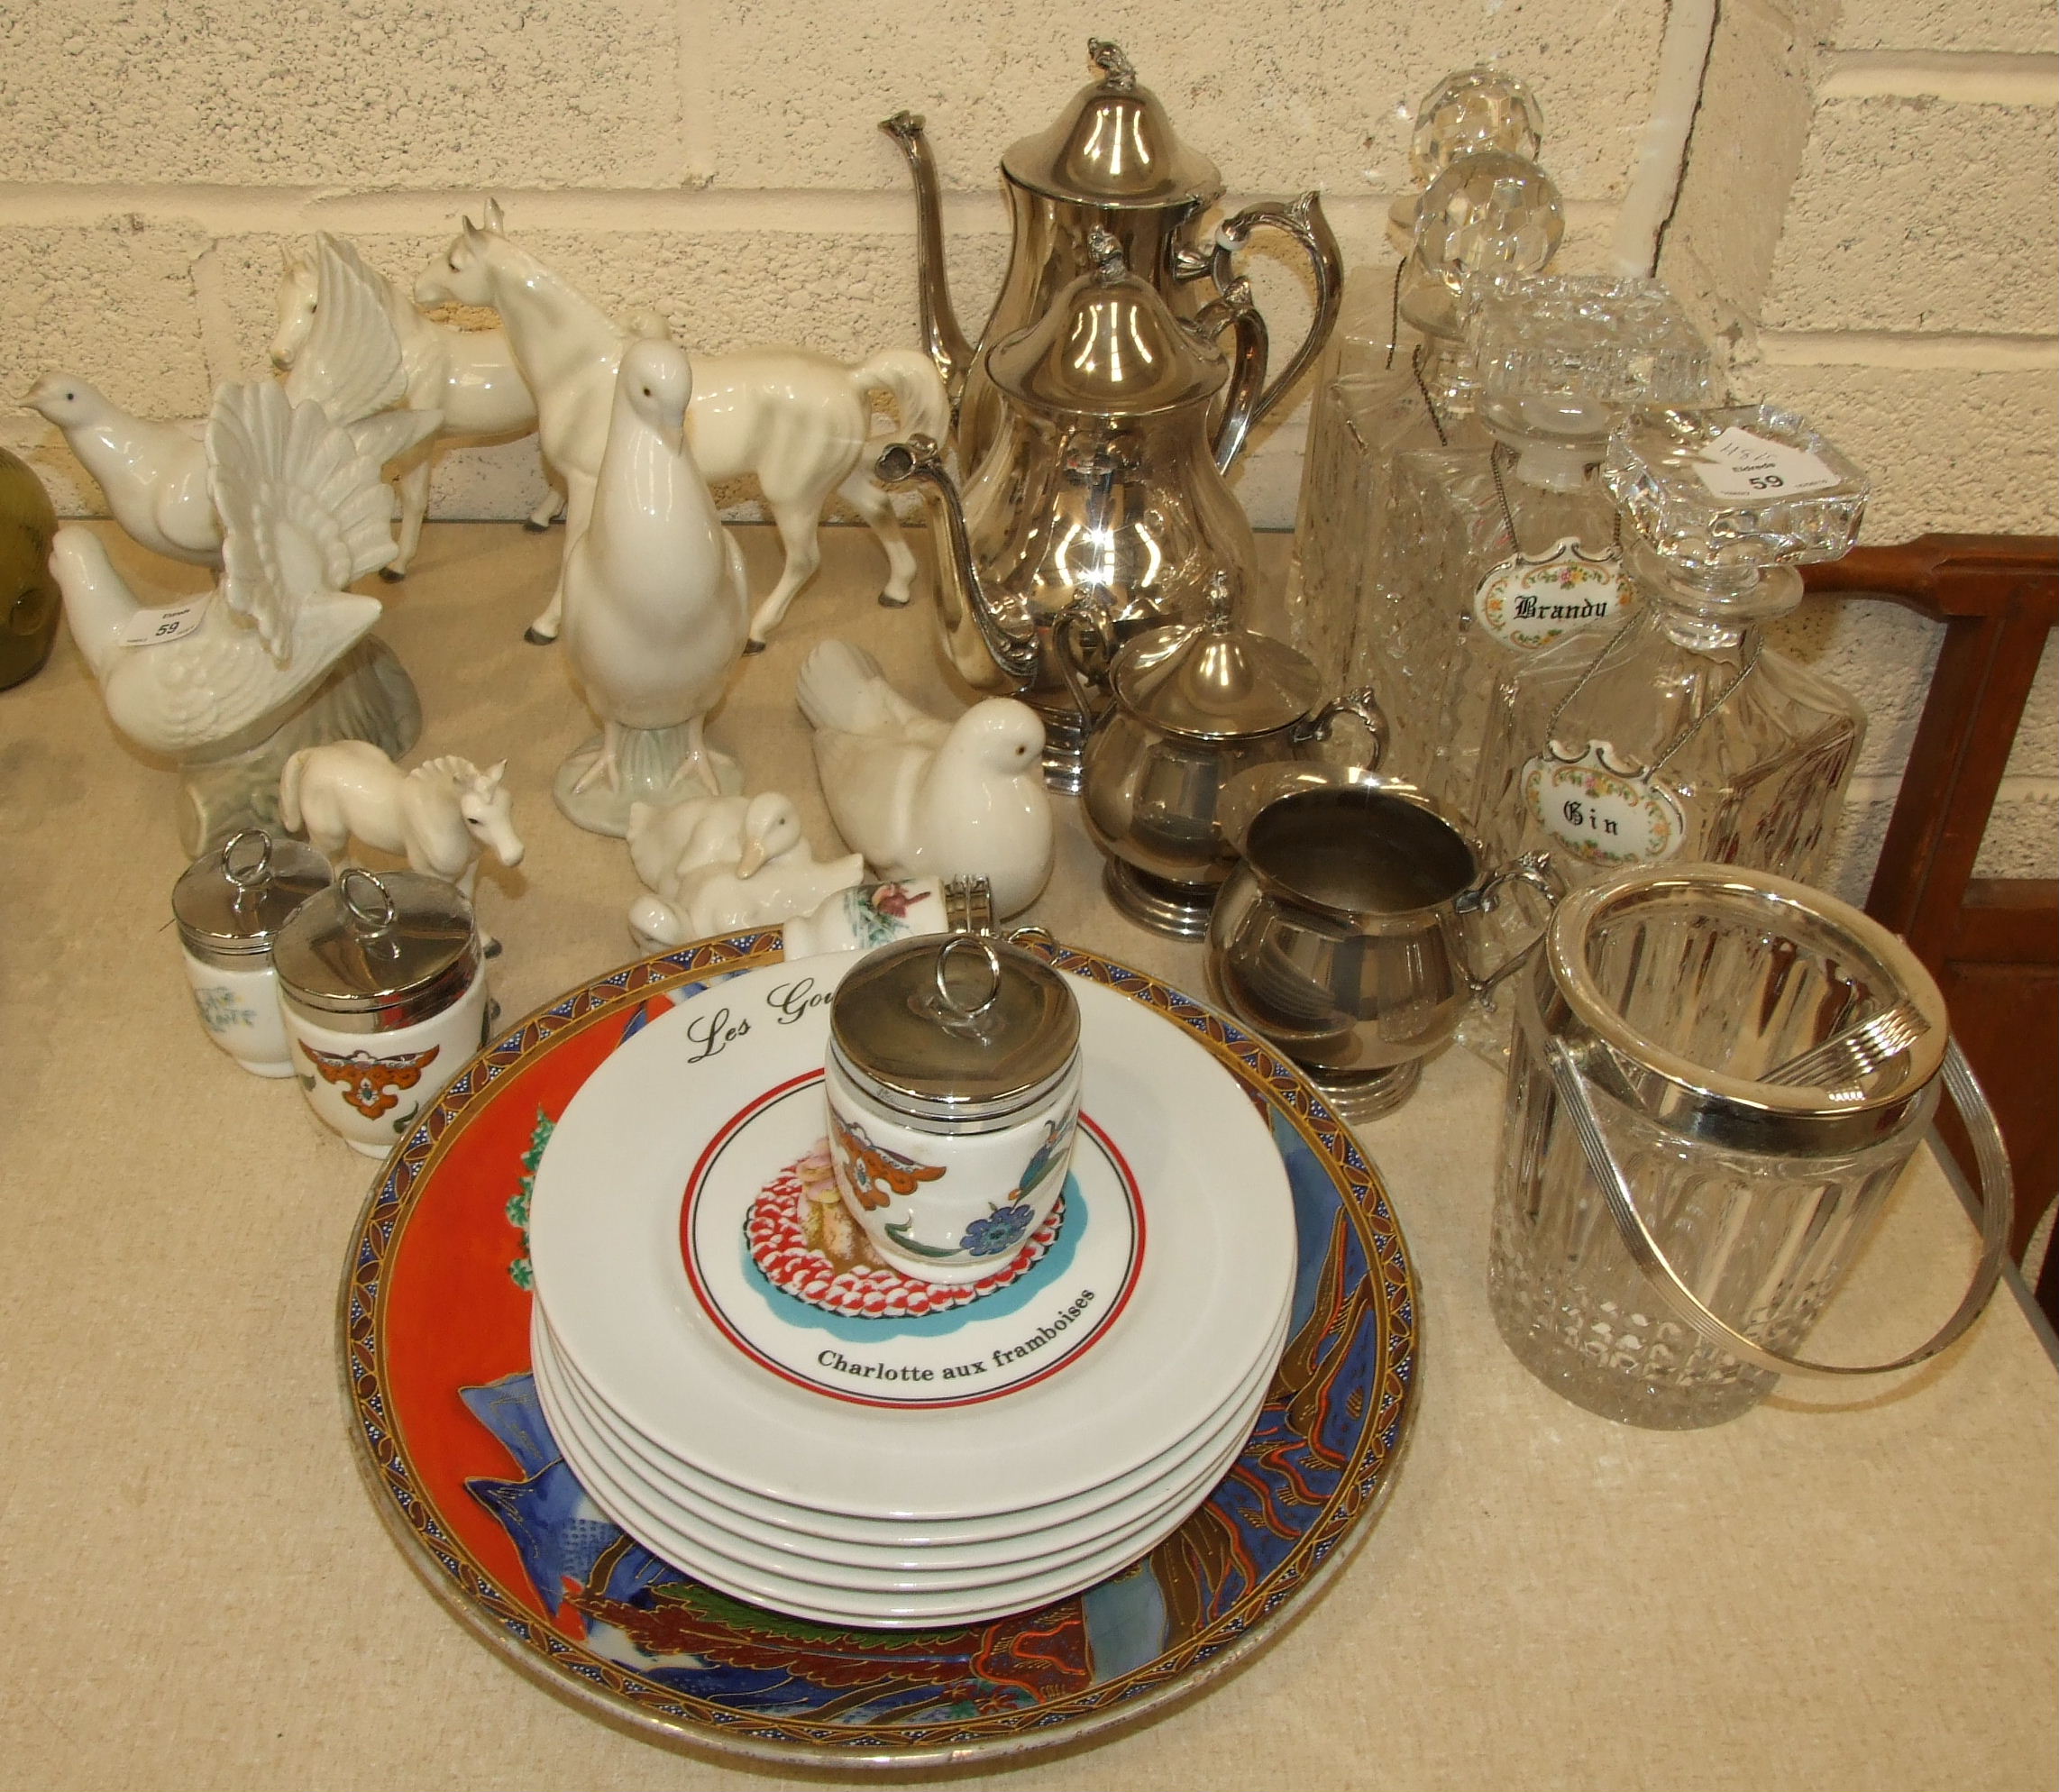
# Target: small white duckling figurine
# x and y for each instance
(667, 840)
(717, 863)
(921, 798)
(656, 610)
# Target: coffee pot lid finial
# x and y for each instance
(1113, 146)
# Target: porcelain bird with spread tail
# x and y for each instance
(922, 798)
(656, 608)
(303, 514)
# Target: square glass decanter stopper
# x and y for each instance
(1562, 355)
(1733, 490)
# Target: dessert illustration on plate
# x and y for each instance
(804, 1241)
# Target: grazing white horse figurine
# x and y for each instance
(796, 419)
(470, 376)
(439, 817)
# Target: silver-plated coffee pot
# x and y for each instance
(1189, 710)
(1108, 162)
(1099, 502)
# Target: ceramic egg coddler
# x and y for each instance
(383, 989)
(229, 905)
(954, 1085)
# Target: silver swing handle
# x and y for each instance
(1996, 1202)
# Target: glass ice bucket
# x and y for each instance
(1673, 1208)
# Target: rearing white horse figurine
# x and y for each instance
(796, 419)
(439, 817)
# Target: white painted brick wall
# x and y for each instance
(1867, 217)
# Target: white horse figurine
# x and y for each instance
(468, 375)
(796, 419)
(439, 817)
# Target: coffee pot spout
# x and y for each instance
(961, 595)
(941, 335)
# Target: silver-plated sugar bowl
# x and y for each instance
(1188, 708)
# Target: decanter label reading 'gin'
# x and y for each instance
(1530, 600)
(1599, 814)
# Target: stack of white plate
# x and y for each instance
(814, 1441)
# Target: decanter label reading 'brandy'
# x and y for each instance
(1738, 464)
(1602, 816)
(1530, 600)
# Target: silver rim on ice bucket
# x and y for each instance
(1692, 1098)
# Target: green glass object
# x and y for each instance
(30, 601)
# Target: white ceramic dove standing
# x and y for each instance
(657, 609)
(921, 798)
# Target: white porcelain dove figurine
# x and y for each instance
(921, 798)
(154, 474)
(656, 608)
(303, 515)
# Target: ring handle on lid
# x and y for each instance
(1997, 1203)
(948, 1003)
(378, 919)
(256, 874)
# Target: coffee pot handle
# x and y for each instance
(1303, 220)
(1997, 1201)
(1536, 870)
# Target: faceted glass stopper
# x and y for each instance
(1560, 353)
(1720, 493)
(1473, 109)
(1490, 215)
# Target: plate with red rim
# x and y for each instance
(434, 1318)
(1156, 1300)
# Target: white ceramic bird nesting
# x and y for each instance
(713, 864)
(440, 816)
(656, 610)
(921, 798)
(303, 514)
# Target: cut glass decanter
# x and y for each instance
(1487, 215)
(1682, 736)
(1491, 557)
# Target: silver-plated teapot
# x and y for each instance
(1189, 710)
(1099, 502)
(1108, 162)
